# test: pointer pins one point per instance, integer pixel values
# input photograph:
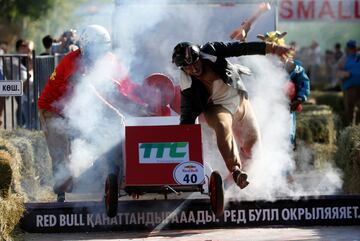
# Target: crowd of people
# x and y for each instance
(20, 67)
(335, 69)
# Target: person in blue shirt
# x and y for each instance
(349, 74)
(299, 83)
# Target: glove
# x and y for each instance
(281, 51)
(295, 105)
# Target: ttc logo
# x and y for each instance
(164, 152)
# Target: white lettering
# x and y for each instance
(89, 220)
(132, 219)
(200, 217)
(335, 212)
(285, 214)
(293, 214)
(141, 218)
(39, 221)
(191, 218)
(157, 218)
(98, 220)
(45, 220)
(209, 217)
(309, 215)
(226, 215)
(343, 213)
(319, 213)
(252, 216)
(301, 212)
(274, 214)
(266, 215)
(241, 217)
(183, 218)
(150, 219)
(327, 212)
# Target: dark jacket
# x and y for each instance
(194, 100)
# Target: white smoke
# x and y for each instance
(96, 127)
(145, 34)
(273, 163)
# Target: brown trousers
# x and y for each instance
(231, 130)
(351, 100)
(58, 141)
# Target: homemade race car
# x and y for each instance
(160, 156)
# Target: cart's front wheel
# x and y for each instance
(216, 191)
(111, 195)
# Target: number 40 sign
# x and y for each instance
(189, 173)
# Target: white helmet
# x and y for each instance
(94, 42)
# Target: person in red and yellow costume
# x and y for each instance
(298, 86)
(94, 46)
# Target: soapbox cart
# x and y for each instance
(162, 159)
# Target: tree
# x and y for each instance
(13, 10)
(15, 16)
(33, 19)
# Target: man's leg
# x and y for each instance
(221, 120)
(59, 149)
(246, 128)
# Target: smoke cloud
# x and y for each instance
(273, 162)
(96, 128)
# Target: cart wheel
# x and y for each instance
(111, 195)
(216, 191)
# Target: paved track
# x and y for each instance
(349, 233)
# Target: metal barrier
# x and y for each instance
(33, 71)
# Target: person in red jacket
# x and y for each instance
(95, 44)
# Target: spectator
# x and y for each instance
(299, 82)
(293, 45)
(21, 69)
(47, 43)
(331, 62)
(329, 67)
(66, 43)
(349, 74)
(338, 53)
(314, 61)
(2, 51)
(213, 86)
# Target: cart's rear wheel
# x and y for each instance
(111, 195)
(216, 191)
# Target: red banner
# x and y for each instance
(319, 10)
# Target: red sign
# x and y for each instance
(152, 154)
(319, 10)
